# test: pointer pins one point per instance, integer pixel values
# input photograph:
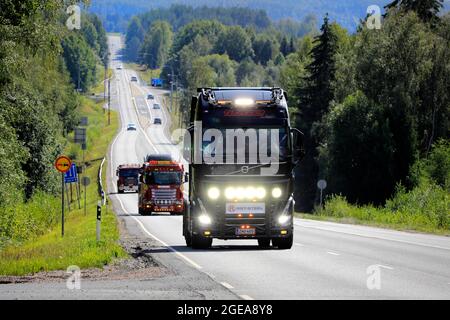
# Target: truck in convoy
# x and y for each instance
(127, 177)
(161, 186)
(241, 151)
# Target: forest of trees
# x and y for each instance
(117, 13)
(39, 63)
(373, 111)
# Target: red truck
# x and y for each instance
(161, 186)
(127, 177)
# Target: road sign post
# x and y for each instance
(85, 181)
(322, 185)
(63, 165)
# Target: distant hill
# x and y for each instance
(117, 13)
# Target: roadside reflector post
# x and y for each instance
(99, 218)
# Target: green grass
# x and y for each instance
(47, 250)
(100, 88)
(426, 208)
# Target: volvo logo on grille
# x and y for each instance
(244, 169)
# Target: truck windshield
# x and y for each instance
(129, 173)
(248, 144)
(165, 178)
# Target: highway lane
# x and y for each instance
(328, 260)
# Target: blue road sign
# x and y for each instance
(71, 176)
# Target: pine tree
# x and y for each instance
(315, 99)
(292, 46)
(284, 47)
(427, 10)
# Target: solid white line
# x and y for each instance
(227, 285)
(374, 237)
(333, 253)
(140, 223)
(385, 267)
(246, 297)
(159, 240)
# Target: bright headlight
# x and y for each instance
(283, 219)
(230, 193)
(276, 192)
(244, 102)
(204, 219)
(213, 193)
(250, 193)
(260, 193)
(240, 193)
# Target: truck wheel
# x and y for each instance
(200, 242)
(188, 239)
(264, 242)
(283, 243)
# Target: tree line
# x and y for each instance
(41, 65)
(373, 105)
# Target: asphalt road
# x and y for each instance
(328, 260)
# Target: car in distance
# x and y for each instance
(131, 127)
(150, 97)
(119, 67)
(157, 121)
(134, 79)
(156, 106)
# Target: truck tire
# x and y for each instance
(200, 242)
(188, 239)
(283, 243)
(264, 242)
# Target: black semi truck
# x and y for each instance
(241, 151)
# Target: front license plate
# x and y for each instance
(245, 232)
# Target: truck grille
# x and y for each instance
(164, 196)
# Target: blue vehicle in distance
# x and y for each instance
(157, 82)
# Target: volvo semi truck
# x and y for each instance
(241, 151)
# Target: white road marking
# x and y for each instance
(373, 237)
(246, 297)
(159, 240)
(227, 285)
(143, 131)
(299, 244)
(333, 253)
(385, 267)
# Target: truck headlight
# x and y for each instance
(230, 193)
(213, 193)
(204, 219)
(260, 193)
(276, 192)
(283, 219)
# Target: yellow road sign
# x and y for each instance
(63, 164)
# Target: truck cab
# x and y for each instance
(241, 151)
(161, 186)
(127, 177)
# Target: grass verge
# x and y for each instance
(49, 251)
(426, 208)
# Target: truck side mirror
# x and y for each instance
(187, 142)
(298, 151)
(186, 177)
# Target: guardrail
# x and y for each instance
(101, 190)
